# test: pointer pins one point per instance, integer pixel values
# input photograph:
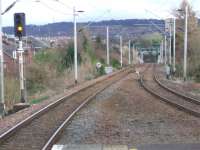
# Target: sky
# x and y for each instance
(49, 11)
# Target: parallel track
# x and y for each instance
(34, 132)
(158, 89)
(58, 132)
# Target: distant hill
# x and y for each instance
(129, 27)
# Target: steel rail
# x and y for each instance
(52, 140)
(190, 99)
(49, 107)
(168, 101)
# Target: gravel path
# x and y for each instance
(126, 114)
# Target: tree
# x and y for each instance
(149, 40)
(193, 37)
(98, 42)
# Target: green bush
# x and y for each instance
(58, 59)
(67, 57)
(88, 49)
(115, 63)
(102, 71)
(49, 64)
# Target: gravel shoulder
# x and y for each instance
(126, 114)
(9, 121)
(188, 88)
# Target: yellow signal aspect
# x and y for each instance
(20, 28)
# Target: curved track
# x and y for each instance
(34, 132)
(151, 83)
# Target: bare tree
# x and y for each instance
(193, 37)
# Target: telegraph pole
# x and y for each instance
(185, 44)
(121, 51)
(174, 47)
(161, 52)
(2, 101)
(170, 44)
(165, 49)
(75, 48)
(108, 56)
(75, 13)
(134, 53)
(142, 57)
(129, 52)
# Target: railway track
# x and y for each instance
(151, 83)
(41, 129)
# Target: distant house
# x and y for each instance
(11, 65)
(30, 45)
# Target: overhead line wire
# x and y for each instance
(53, 9)
(93, 20)
(63, 4)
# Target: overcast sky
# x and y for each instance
(49, 11)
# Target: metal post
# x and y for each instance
(129, 52)
(165, 49)
(160, 61)
(121, 51)
(185, 44)
(174, 47)
(75, 48)
(108, 57)
(133, 53)
(170, 44)
(21, 70)
(2, 101)
(142, 57)
(162, 55)
(161, 52)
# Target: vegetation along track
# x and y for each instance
(34, 132)
(151, 83)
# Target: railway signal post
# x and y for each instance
(19, 27)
